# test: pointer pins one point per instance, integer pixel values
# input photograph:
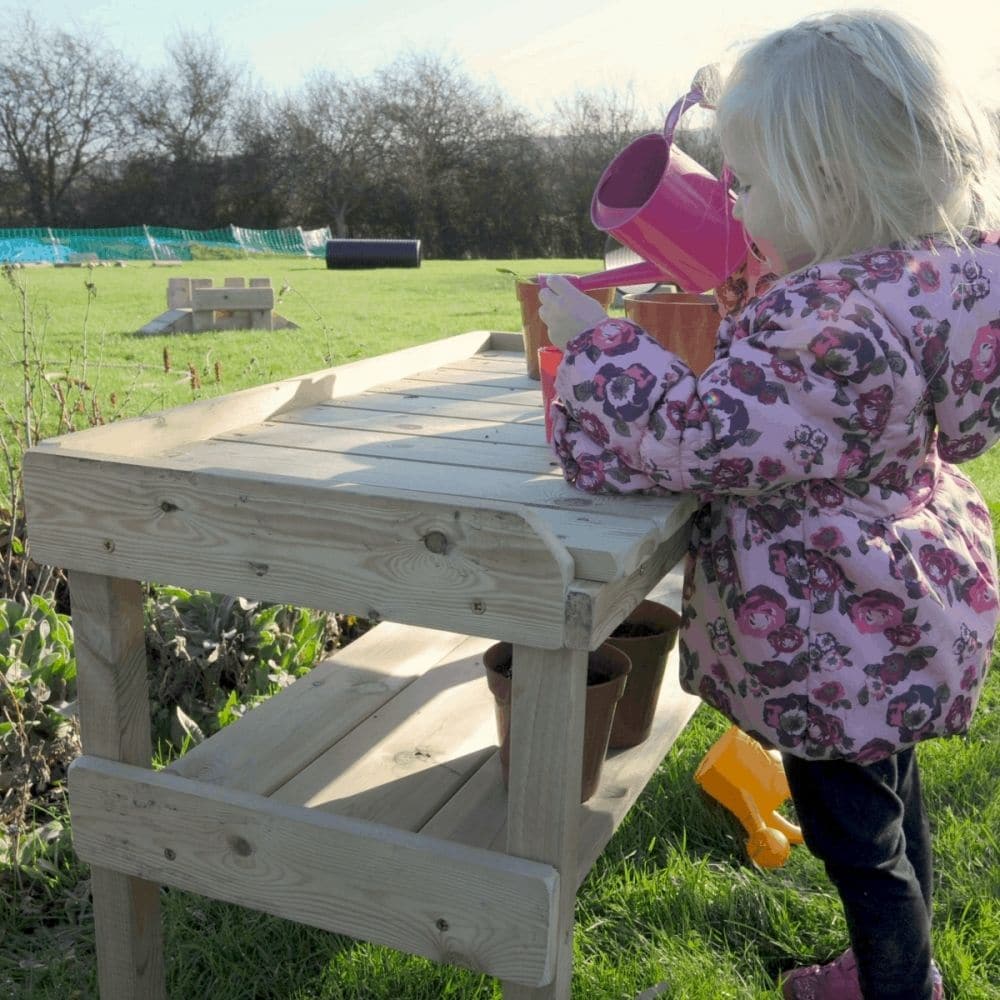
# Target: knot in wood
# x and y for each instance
(441, 924)
(240, 846)
(437, 542)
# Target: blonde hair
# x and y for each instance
(860, 125)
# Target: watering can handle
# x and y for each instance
(692, 97)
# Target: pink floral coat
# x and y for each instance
(840, 588)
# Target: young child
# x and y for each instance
(840, 591)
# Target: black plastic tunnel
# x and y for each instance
(372, 253)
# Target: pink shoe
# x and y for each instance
(837, 980)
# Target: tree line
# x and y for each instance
(418, 149)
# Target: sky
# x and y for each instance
(534, 51)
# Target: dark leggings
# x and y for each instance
(868, 826)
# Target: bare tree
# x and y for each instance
(587, 132)
(186, 113)
(63, 109)
(332, 144)
(443, 137)
(186, 109)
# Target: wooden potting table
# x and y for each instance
(414, 489)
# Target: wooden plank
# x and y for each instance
(196, 421)
(359, 376)
(449, 903)
(280, 737)
(534, 458)
(605, 537)
(547, 710)
(414, 476)
(109, 641)
(463, 428)
(202, 320)
(459, 408)
(232, 298)
(399, 766)
(514, 364)
(593, 610)
(482, 393)
(113, 696)
(507, 342)
(261, 319)
(489, 569)
(235, 282)
(477, 814)
(128, 934)
(178, 293)
(494, 379)
(596, 556)
(171, 321)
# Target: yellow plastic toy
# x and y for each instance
(750, 782)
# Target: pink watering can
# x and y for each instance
(665, 206)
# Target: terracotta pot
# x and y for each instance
(607, 663)
(536, 333)
(647, 635)
(685, 324)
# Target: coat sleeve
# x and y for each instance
(806, 391)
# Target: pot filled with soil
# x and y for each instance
(647, 635)
(607, 671)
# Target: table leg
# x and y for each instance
(114, 723)
(543, 808)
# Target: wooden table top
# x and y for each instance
(416, 486)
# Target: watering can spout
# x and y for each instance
(641, 273)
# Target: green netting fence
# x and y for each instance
(67, 246)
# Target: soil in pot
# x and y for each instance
(647, 635)
(607, 671)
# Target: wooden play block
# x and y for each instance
(194, 305)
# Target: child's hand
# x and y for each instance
(567, 311)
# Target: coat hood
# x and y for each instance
(944, 302)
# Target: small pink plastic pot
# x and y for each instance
(548, 362)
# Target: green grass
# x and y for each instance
(343, 316)
(672, 899)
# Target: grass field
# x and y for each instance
(343, 316)
(673, 899)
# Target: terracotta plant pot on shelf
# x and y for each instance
(536, 333)
(607, 671)
(685, 324)
(647, 635)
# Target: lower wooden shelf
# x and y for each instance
(365, 798)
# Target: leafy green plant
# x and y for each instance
(39, 733)
(212, 656)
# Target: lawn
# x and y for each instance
(673, 899)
